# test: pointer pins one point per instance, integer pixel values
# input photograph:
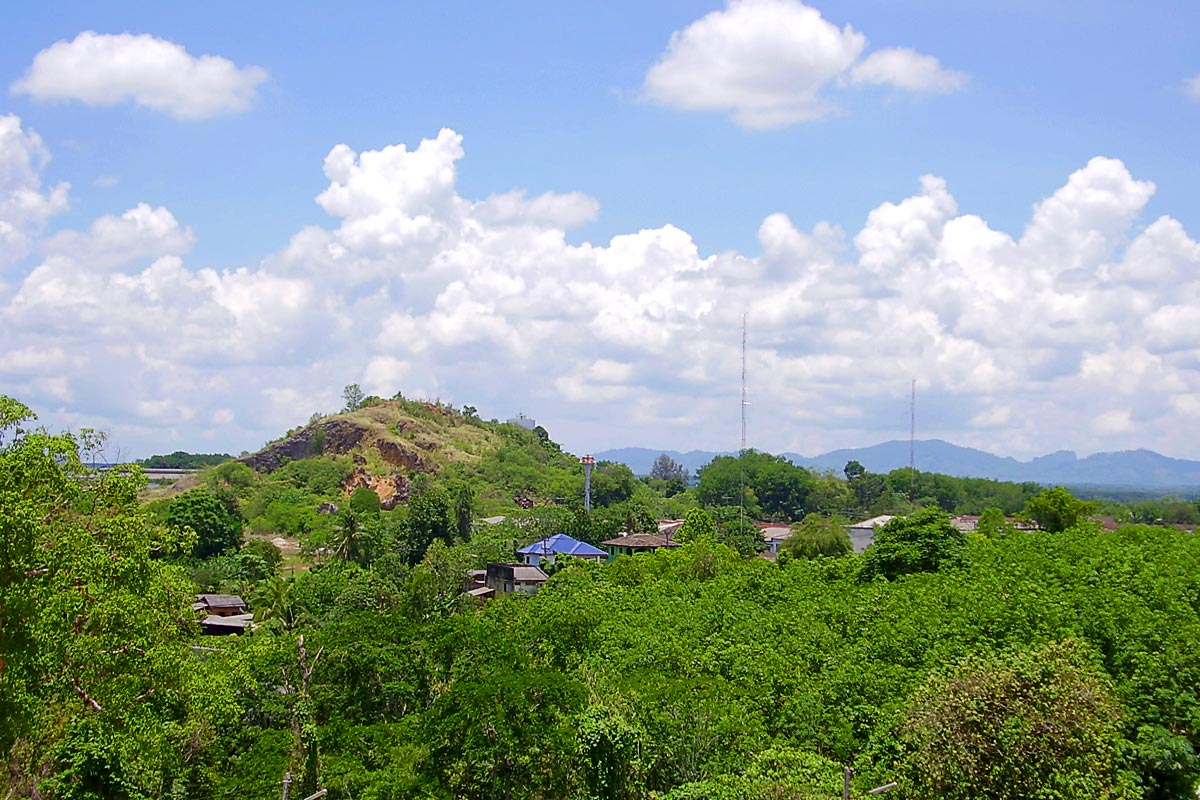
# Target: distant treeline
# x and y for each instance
(182, 460)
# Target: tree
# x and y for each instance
(352, 538)
(1041, 723)
(764, 484)
(1056, 509)
(364, 501)
(666, 468)
(505, 733)
(612, 483)
(429, 518)
(276, 600)
(696, 525)
(464, 510)
(992, 524)
(819, 536)
(353, 395)
(924, 541)
(213, 519)
(100, 694)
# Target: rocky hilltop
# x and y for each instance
(388, 442)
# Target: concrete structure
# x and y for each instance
(863, 533)
(515, 578)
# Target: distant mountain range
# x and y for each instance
(1132, 469)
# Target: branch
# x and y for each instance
(87, 699)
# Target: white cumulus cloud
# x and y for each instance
(107, 69)
(907, 69)
(774, 63)
(1078, 333)
(24, 205)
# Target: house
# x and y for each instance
(863, 533)
(559, 545)
(515, 578)
(669, 527)
(223, 614)
(220, 605)
(214, 625)
(966, 523)
(628, 544)
(773, 535)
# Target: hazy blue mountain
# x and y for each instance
(1128, 468)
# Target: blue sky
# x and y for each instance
(1041, 298)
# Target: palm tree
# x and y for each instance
(352, 538)
(275, 600)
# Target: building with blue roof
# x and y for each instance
(559, 544)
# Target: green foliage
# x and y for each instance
(353, 397)
(817, 536)
(181, 460)
(696, 525)
(319, 476)
(768, 485)
(505, 733)
(992, 524)
(670, 472)
(924, 541)
(100, 695)
(231, 476)
(267, 551)
(735, 529)
(612, 483)
(1055, 510)
(213, 519)
(364, 501)
(1041, 723)
(430, 518)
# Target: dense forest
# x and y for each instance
(1042, 655)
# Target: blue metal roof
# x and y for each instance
(563, 545)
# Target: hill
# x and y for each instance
(388, 444)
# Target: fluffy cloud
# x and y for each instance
(107, 69)
(141, 233)
(909, 70)
(24, 205)
(771, 64)
(1081, 332)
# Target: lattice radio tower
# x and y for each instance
(742, 451)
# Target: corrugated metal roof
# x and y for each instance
(641, 540)
(874, 522)
(563, 545)
(220, 600)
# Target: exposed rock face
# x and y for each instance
(328, 436)
(392, 489)
(399, 456)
